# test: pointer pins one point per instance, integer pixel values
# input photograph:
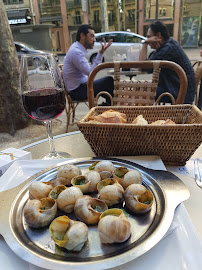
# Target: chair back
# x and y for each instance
(138, 93)
(197, 66)
(71, 105)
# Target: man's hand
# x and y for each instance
(105, 45)
(154, 42)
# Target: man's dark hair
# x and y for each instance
(83, 29)
(158, 26)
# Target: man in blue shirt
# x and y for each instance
(76, 68)
(168, 49)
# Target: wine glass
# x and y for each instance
(42, 92)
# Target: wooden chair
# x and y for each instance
(71, 106)
(197, 66)
(138, 93)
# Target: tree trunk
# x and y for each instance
(104, 16)
(12, 114)
(116, 15)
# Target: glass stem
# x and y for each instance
(48, 124)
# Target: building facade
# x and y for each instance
(19, 12)
(182, 17)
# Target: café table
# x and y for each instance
(188, 213)
(75, 144)
(128, 73)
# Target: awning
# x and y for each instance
(17, 16)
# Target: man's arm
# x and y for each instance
(81, 62)
(143, 52)
(105, 45)
(154, 42)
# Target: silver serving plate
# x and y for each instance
(36, 246)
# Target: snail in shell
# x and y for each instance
(114, 226)
(65, 174)
(126, 177)
(54, 193)
(104, 168)
(94, 178)
(39, 190)
(81, 182)
(88, 209)
(138, 199)
(39, 213)
(67, 198)
(105, 174)
(104, 165)
(68, 233)
(110, 191)
(119, 173)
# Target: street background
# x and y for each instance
(37, 131)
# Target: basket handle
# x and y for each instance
(106, 94)
(165, 94)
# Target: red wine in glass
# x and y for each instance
(44, 104)
(43, 93)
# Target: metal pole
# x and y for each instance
(157, 9)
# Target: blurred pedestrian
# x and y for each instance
(76, 68)
(168, 49)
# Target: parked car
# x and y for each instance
(122, 41)
(23, 48)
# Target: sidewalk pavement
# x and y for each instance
(193, 54)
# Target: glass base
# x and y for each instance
(56, 155)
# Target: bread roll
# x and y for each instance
(158, 122)
(139, 120)
(169, 122)
(163, 122)
(109, 116)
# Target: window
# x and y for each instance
(99, 38)
(10, 2)
(110, 18)
(131, 39)
(165, 8)
(77, 2)
(131, 15)
(77, 17)
(115, 36)
(96, 16)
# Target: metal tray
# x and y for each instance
(36, 246)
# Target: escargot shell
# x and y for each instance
(110, 191)
(65, 174)
(56, 191)
(105, 174)
(67, 198)
(89, 209)
(39, 190)
(81, 182)
(138, 199)
(68, 234)
(94, 178)
(113, 226)
(104, 165)
(131, 177)
(119, 173)
(39, 213)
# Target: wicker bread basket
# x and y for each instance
(175, 144)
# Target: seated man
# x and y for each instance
(168, 49)
(76, 68)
